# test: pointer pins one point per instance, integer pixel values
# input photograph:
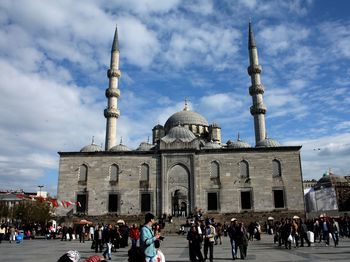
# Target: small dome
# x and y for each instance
(179, 132)
(144, 146)
(185, 117)
(158, 127)
(268, 142)
(91, 148)
(211, 145)
(119, 148)
(237, 144)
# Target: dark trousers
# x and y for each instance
(303, 236)
(243, 251)
(208, 246)
(195, 252)
(98, 245)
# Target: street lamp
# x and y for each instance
(40, 190)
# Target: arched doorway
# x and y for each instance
(178, 190)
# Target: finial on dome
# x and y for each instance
(186, 108)
(92, 140)
(238, 137)
(121, 140)
(148, 139)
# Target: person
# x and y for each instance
(13, 233)
(2, 232)
(107, 239)
(242, 240)
(134, 235)
(70, 256)
(209, 234)
(195, 242)
(136, 254)
(91, 232)
(233, 237)
(64, 233)
(303, 234)
(98, 239)
(148, 238)
(95, 259)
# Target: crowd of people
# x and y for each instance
(296, 232)
(202, 235)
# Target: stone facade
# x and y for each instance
(183, 172)
(187, 167)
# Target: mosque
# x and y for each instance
(186, 167)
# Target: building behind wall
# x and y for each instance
(186, 167)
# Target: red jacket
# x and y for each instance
(134, 233)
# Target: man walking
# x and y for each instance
(148, 238)
(209, 235)
(233, 237)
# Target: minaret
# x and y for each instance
(256, 90)
(112, 113)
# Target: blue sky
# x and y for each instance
(54, 56)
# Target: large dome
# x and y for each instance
(179, 132)
(185, 117)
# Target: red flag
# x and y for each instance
(54, 202)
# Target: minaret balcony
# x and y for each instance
(113, 73)
(112, 92)
(254, 69)
(256, 89)
(111, 112)
(256, 110)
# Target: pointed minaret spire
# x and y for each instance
(112, 113)
(251, 38)
(115, 46)
(256, 90)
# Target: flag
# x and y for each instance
(54, 202)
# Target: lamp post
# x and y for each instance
(40, 186)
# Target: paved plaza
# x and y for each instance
(175, 249)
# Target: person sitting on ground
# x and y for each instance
(70, 256)
(95, 259)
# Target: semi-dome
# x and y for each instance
(179, 132)
(91, 148)
(144, 146)
(185, 117)
(120, 148)
(211, 145)
(237, 144)
(268, 142)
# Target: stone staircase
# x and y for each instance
(174, 227)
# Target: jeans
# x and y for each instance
(151, 259)
(108, 250)
(233, 248)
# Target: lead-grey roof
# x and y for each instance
(144, 146)
(237, 144)
(268, 142)
(179, 132)
(185, 117)
(211, 145)
(120, 148)
(91, 148)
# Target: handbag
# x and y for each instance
(290, 238)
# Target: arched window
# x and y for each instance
(83, 172)
(144, 179)
(276, 168)
(144, 172)
(114, 173)
(214, 170)
(244, 169)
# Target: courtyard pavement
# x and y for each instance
(175, 248)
